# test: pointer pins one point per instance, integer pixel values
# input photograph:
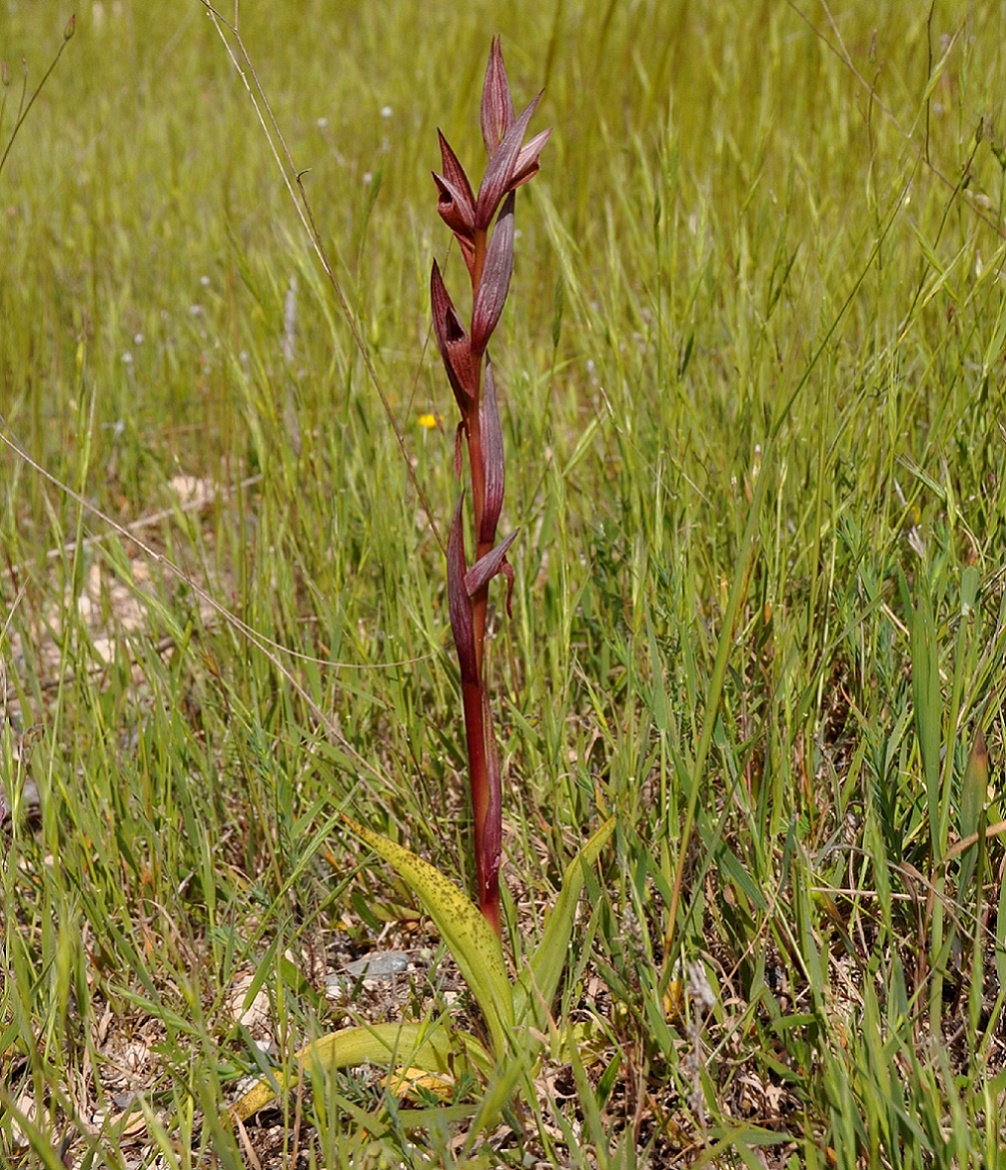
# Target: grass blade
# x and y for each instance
(537, 984)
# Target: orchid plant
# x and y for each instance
(515, 1010)
(489, 259)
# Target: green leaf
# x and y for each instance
(1001, 937)
(538, 983)
(974, 796)
(470, 939)
(974, 786)
(928, 707)
(433, 1049)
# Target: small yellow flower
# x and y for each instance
(428, 421)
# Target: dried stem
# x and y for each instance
(24, 108)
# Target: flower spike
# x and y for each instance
(483, 225)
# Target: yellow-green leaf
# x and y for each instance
(470, 939)
(537, 985)
(436, 1050)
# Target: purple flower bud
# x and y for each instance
(497, 105)
(452, 341)
(495, 282)
(456, 204)
(454, 211)
(498, 179)
(454, 172)
(526, 166)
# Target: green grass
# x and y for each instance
(751, 377)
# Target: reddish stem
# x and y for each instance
(485, 783)
(485, 802)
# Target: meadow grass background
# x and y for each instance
(752, 376)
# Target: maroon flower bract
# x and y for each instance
(488, 258)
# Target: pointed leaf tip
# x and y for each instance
(485, 568)
(452, 168)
